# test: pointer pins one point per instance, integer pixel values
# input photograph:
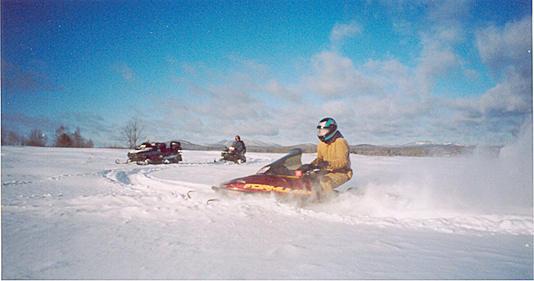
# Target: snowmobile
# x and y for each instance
(156, 153)
(229, 154)
(286, 175)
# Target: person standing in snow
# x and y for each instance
(332, 156)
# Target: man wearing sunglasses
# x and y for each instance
(332, 156)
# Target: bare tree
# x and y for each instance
(66, 139)
(77, 140)
(132, 132)
(36, 138)
(62, 137)
(11, 138)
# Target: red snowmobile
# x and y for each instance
(156, 153)
(286, 175)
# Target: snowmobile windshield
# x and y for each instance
(285, 165)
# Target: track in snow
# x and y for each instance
(342, 209)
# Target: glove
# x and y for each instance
(322, 165)
(305, 167)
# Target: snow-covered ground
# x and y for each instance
(74, 213)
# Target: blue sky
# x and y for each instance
(390, 72)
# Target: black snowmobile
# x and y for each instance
(156, 153)
(230, 154)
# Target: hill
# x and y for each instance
(415, 149)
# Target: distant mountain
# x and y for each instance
(252, 146)
(422, 143)
(416, 149)
(422, 149)
(221, 143)
(248, 143)
(261, 143)
(307, 148)
(191, 146)
(417, 143)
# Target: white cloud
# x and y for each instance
(509, 46)
(380, 101)
(444, 30)
(343, 31)
(502, 108)
(335, 75)
(125, 71)
(471, 74)
(390, 74)
(449, 12)
(435, 62)
(276, 89)
(512, 96)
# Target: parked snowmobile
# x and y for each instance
(156, 153)
(229, 154)
(286, 175)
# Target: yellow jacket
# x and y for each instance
(336, 154)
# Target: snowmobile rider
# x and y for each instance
(332, 156)
(239, 146)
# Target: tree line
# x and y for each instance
(36, 137)
(131, 134)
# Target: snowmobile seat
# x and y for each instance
(162, 147)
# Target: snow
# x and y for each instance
(75, 214)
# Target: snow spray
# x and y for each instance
(443, 187)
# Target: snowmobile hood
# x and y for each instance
(141, 150)
(268, 183)
(278, 177)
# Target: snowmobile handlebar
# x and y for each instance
(310, 167)
(306, 168)
(310, 170)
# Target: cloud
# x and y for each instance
(444, 30)
(378, 101)
(382, 100)
(23, 123)
(216, 108)
(500, 110)
(512, 96)
(389, 101)
(125, 71)
(277, 89)
(335, 75)
(88, 122)
(434, 62)
(507, 47)
(16, 79)
(471, 74)
(449, 12)
(342, 31)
